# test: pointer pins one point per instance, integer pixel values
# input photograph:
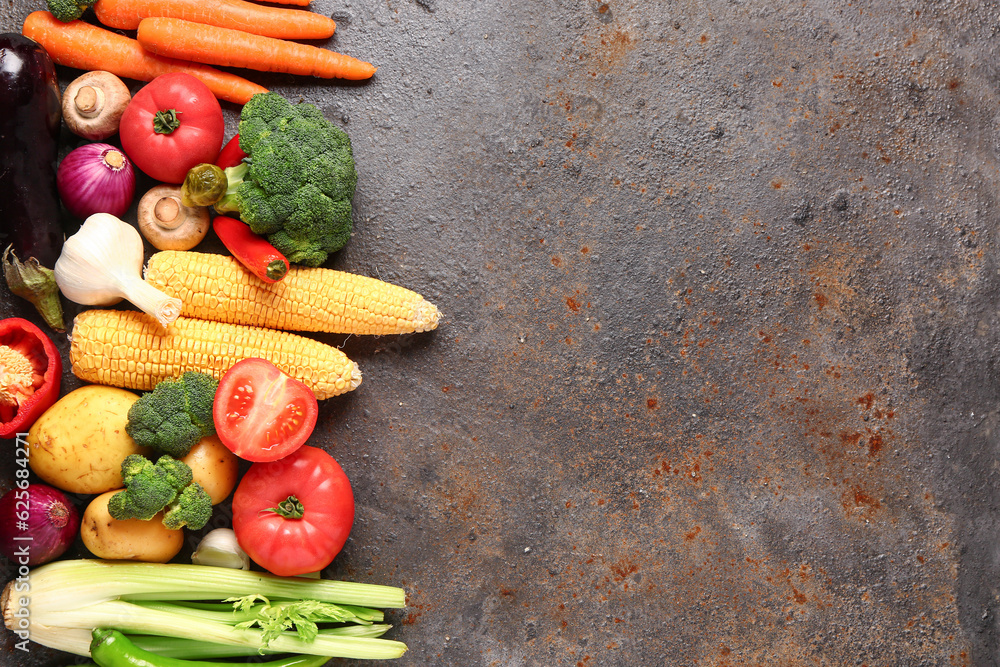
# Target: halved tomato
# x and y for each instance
(262, 414)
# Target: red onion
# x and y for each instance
(38, 522)
(96, 178)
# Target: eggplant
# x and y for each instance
(29, 201)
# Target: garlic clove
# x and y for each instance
(219, 548)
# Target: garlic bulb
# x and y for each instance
(220, 549)
(102, 264)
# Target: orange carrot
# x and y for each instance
(84, 46)
(211, 45)
(300, 3)
(279, 22)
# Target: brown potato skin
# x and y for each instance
(214, 467)
(79, 443)
(134, 539)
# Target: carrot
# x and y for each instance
(279, 22)
(211, 45)
(84, 46)
(300, 3)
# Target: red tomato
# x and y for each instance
(260, 413)
(293, 516)
(172, 124)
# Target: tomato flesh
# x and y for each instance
(262, 414)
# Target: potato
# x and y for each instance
(214, 467)
(79, 443)
(134, 539)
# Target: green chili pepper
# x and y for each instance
(111, 648)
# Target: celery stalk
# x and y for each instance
(192, 649)
(70, 598)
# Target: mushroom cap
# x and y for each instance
(93, 104)
(167, 223)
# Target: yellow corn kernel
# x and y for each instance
(126, 348)
(217, 287)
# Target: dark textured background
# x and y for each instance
(716, 383)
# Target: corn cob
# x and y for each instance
(126, 348)
(217, 287)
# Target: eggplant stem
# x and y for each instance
(36, 283)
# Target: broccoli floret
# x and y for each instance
(177, 473)
(191, 508)
(175, 415)
(165, 485)
(148, 490)
(295, 186)
(134, 465)
(69, 10)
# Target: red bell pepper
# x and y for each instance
(30, 375)
(231, 154)
(252, 250)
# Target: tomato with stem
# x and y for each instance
(292, 516)
(262, 414)
(172, 124)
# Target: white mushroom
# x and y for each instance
(167, 223)
(93, 104)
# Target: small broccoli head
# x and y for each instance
(259, 115)
(167, 486)
(298, 188)
(68, 10)
(191, 508)
(149, 488)
(306, 237)
(133, 465)
(175, 415)
(178, 474)
(272, 170)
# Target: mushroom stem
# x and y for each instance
(167, 223)
(89, 101)
(166, 212)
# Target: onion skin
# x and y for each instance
(39, 512)
(96, 178)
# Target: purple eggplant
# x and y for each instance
(29, 200)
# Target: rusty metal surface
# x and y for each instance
(716, 383)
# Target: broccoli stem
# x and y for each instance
(229, 202)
